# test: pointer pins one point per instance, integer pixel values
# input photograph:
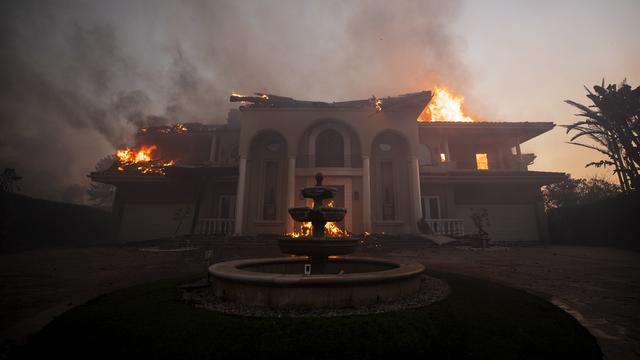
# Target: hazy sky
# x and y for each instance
(80, 76)
(526, 57)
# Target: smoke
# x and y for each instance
(80, 77)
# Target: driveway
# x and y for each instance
(598, 286)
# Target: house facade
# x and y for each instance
(389, 170)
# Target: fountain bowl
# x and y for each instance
(300, 213)
(344, 282)
(333, 214)
(319, 192)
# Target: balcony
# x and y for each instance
(213, 226)
(447, 227)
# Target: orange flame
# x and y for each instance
(142, 160)
(444, 106)
(331, 229)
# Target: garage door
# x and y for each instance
(147, 222)
(508, 223)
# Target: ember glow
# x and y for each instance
(141, 160)
(331, 229)
(444, 106)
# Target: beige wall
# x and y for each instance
(298, 127)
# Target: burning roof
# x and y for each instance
(262, 101)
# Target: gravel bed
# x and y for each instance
(431, 290)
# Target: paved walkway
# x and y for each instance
(599, 286)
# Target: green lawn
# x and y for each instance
(479, 320)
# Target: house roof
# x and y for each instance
(269, 101)
(523, 131)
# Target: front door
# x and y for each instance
(341, 199)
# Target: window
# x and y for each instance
(270, 191)
(482, 162)
(329, 149)
(430, 207)
(388, 191)
(226, 207)
(424, 155)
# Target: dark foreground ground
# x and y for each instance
(599, 286)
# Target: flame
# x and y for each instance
(129, 156)
(177, 128)
(376, 102)
(141, 160)
(444, 106)
(331, 229)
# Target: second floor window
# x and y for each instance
(482, 162)
(329, 149)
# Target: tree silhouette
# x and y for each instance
(8, 181)
(101, 195)
(578, 192)
(613, 123)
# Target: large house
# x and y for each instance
(390, 171)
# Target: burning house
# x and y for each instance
(393, 160)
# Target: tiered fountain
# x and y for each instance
(315, 276)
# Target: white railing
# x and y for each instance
(212, 226)
(450, 227)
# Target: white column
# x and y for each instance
(240, 195)
(291, 190)
(415, 191)
(366, 194)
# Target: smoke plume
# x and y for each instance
(78, 78)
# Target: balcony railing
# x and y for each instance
(449, 227)
(212, 226)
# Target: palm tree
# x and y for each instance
(613, 125)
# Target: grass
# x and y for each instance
(479, 320)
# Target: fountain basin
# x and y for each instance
(300, 213)
(318, 247)
(318, 192)
(345, 282)
(333, 214)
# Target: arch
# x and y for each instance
(307, 148)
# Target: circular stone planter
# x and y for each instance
(345, 282)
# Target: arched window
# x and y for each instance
(329, 149)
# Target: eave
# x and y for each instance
(521, 131)
(494, 176)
